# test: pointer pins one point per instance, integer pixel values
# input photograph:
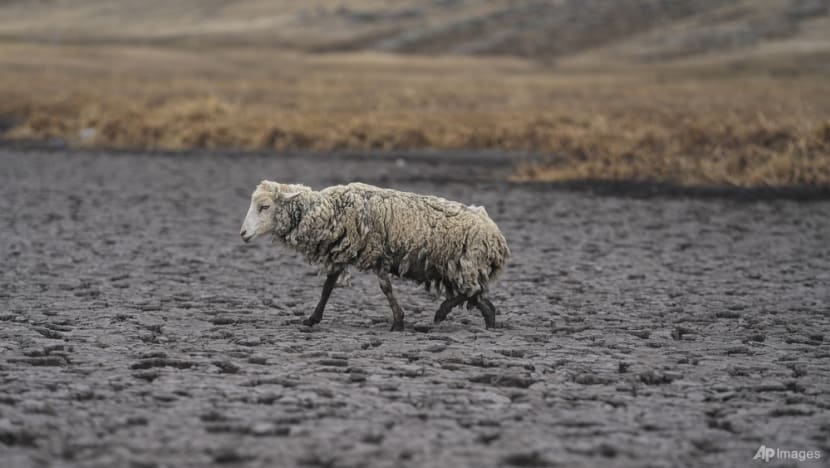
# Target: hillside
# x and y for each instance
(635, 29)
(700, 92)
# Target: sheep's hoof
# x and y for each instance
(489, 320)
(311, 321)
(397, 326)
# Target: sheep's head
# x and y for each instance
(268, 211)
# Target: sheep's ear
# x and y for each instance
(290, 195)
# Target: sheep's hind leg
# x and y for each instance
(488, 310)
(317, 315)
(397, 313)
(488, 303)
(446, 306)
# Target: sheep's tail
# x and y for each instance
(499, 261)
(488, 261)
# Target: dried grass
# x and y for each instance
(687, 125)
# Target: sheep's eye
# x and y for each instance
(263, 208)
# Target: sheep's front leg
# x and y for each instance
(397, 313)
(446, 306)
(317, 315)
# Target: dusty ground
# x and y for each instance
(138, 330)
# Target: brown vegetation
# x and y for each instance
(695, 92)
(689, 124)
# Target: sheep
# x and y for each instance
(437, 243)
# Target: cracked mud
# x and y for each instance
(136, 329)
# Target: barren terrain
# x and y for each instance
(136, 329)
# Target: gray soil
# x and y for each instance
(136, 329)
